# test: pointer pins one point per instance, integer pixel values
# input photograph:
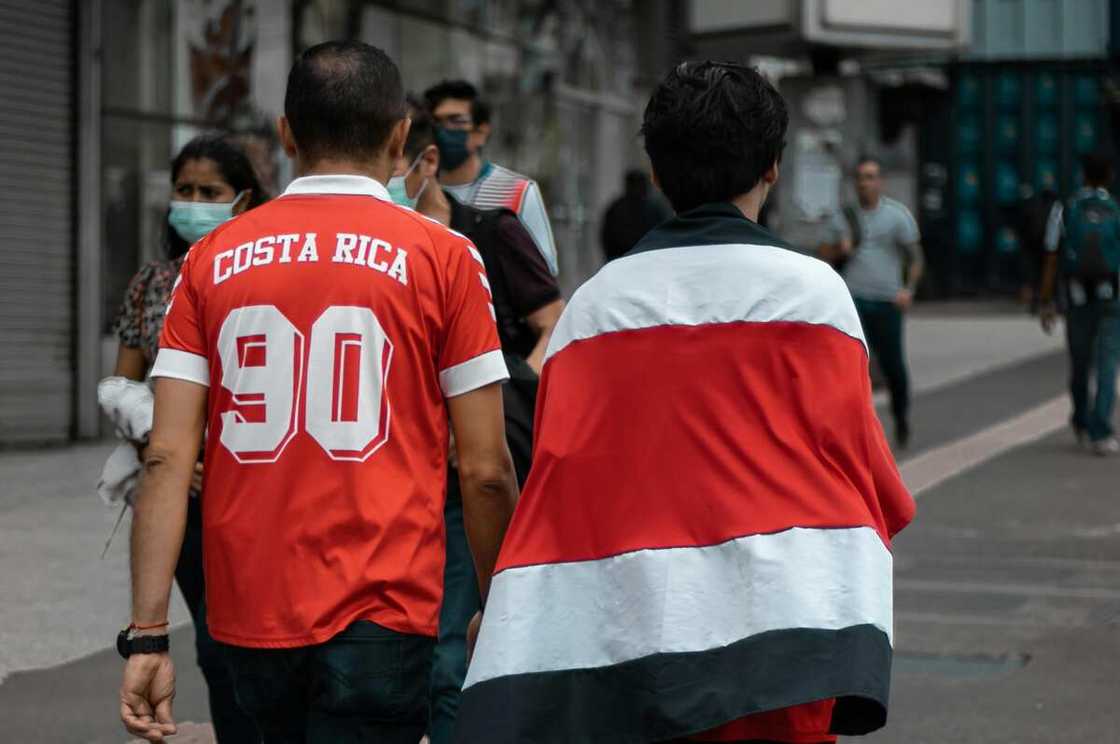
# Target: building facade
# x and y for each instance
(99, 95)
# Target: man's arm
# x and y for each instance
(535, 219)
(486, 475)
(1051, 241)
(161, 506)
(158, 524)
(533, 291)
(832, 252)
(543, 322)
(916, 265)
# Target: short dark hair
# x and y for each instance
(459, 90)
(233, 164)
(712, 130)
(1097, 168)
(343, 100)
(422, 133)
(866, 158)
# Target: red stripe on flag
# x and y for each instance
(678, 436)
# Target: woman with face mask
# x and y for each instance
(212, 181)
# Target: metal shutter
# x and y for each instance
(36, 213)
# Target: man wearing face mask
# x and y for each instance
(527, 306)
(462, 121)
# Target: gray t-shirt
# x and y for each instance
(889, 237)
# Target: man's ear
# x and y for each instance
(287, 139)
(397, 138)
(243, 203)
(771, 174)
(481, 135)
(429, 162)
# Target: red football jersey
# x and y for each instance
(329, 324)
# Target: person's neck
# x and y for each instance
(870, 205)
(434, 205)
(750, 203)
(465, 173)
(379, 170)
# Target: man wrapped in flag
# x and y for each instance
(702, 550)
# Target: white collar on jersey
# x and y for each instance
(340, 184)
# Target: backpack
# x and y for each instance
(851, 216)
(519, 392)
(1092, 239)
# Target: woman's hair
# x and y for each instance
(233, 164)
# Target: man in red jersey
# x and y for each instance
(323, 341)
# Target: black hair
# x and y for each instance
(422, 133)
(234, 166)
(864, 159)
(459, 90)
(343, 100)
(1097, 168)
(712, 130)
(636, 182)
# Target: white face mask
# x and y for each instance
(398, 188)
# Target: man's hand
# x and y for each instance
(473, 627)
(196, 478)
(1048, 316)
(904, 299)
(146, 694)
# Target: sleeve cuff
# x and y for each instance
(182, 365)
(472, 374)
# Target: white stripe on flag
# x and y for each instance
(694, 285)
(597, 613)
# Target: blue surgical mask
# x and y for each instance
(453, 150)
(195, 220)
(398, 188)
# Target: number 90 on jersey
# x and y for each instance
(336, 376)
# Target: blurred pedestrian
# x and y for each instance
(879, 251)
(326, 338)
(212, 181)
(631, 216)
(527, 304)
(703, 544)
(1087, 234)
(462, 120)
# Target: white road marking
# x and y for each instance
(935, 466)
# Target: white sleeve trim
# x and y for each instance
(182, 365)
(472, 374)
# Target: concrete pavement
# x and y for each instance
(1008, 593)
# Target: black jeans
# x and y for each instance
(367, 684)
(231, 724)
(882, 324)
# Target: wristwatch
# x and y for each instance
(141, 644)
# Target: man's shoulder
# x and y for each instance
(502, 174)
(896, 208)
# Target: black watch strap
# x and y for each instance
(141, 644)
